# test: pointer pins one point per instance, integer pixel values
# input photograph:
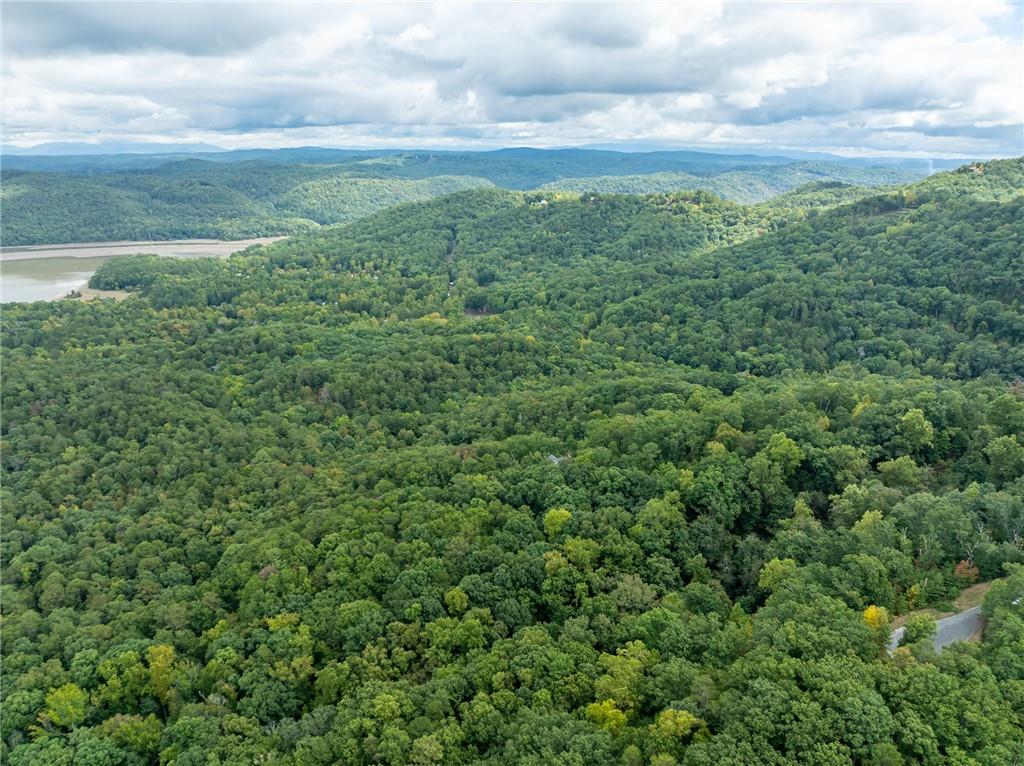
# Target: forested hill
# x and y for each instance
(902, 278)
(248, 194)
(528, 478)
(741, 184)
(820, 194)
(196, 199)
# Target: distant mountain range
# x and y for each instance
(239, 194)
(80, 148)
(769, 154)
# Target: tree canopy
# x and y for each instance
(528, 478)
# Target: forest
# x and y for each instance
(748, 184)
(534, 477)
(240, 195)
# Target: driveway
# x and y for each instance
(964, 626)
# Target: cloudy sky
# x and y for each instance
(943, 78)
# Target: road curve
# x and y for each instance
(964, 626)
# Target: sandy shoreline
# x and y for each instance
(86, 293)
(182, 248)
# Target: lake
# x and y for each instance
(46, 272)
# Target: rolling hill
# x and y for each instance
(608, 478)
(237, 195)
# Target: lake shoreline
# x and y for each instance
(86, 294)
(196, 248)
(49, 272)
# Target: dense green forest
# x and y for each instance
(741, 184)
(267, 193)
(529, 478)
(819, 194)
(196, 199)
(515, 168)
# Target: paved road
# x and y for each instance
(960, 627)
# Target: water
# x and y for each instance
(46, 272)
(43, 279)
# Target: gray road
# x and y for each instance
(960, 627)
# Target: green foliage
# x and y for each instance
(254, 194)
(196, 199)
(506, 478)
(799, 183)
(821, 194)
(139, 271)
(919, 627)
(555, 520)
(65, 706)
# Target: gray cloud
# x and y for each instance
(199, 29)
(926, 77)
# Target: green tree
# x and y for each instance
(66, 706)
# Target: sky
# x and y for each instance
(940, 78)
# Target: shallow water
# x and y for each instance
(44, 279)
(46, 272)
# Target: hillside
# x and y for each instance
(53, 200)
(821, 194)
(509, 477)
(743, 184)
(522, 168)
(197, 199)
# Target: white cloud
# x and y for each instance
(939, 77)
